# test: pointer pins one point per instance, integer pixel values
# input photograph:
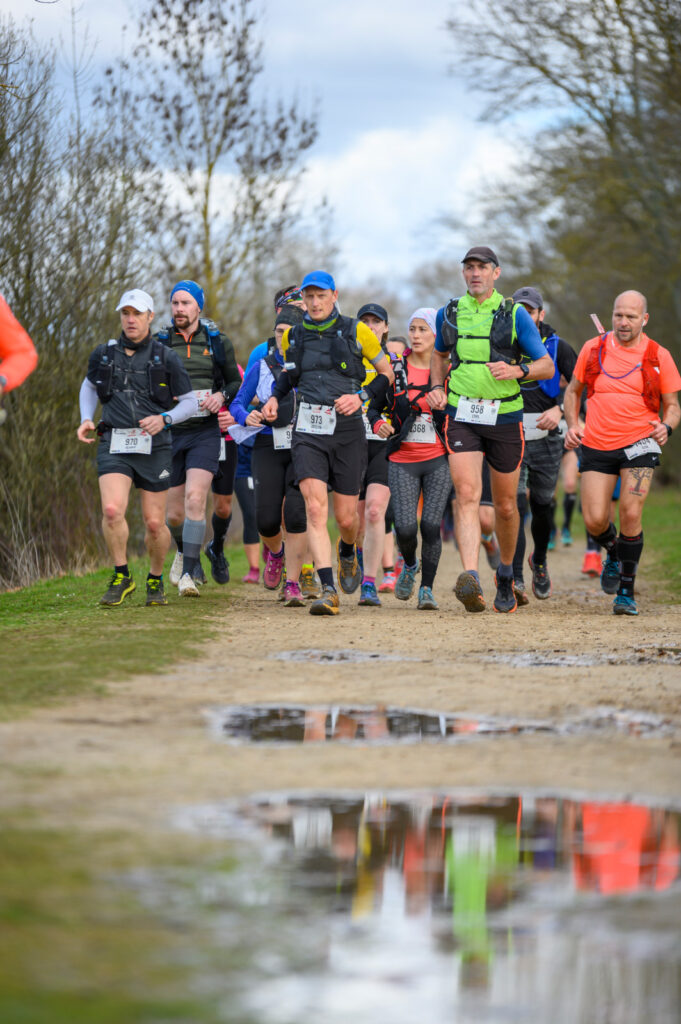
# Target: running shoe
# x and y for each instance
(293, 597)
(282, 586)
(469, 592)
(427, 602)
(119, 588)
(610, 576)
(399, 562)
(187, 586)
(565, 537)
(198, 575)
(349, 572)
(520, 593)
(541, 582)
(505, 600)
(491, 547)
(155, 592)
(327, 604)
(219, 566)
(252, 576)
(551, 546)
(274, 567)
(307, 582)
(624, 605)
(404, 584)
(176, 568)
(387, 583)
(369, 595)
(360, 559)
(591, 566)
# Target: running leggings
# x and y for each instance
(274, 486)
(407, 481)
(245, 495)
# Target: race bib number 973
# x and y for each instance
(316, 419)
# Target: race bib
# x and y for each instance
(532, 431)
(481, 410)
(200, 396)
(130, 442)
(282, 437)
(316, 419)
(370, 436)
(422, 430)
(223, 450)
(642, 447)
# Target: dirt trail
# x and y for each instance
(126, 759)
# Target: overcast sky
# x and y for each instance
(399, 143)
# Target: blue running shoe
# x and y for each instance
(610, 576)
(369, 595)
(565, 537)
(404, 586)
(551, 546)
(426, 600)
(624, 605)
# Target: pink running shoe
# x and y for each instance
(293, 596)
(252, 576)
(274, 567)
(387, 583)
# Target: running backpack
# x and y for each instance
(158, 375)
(649, 366)
(345, 352)
(502, 346)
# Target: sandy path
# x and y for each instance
(128, 758)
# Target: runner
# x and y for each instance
(273, 467)
(325, 360)
(135, 379)
(222, 487)
(543, 450)
(374, 497)
(208, 357)
(627, 376)
(485, 337)
(417, 460)
(18, 357)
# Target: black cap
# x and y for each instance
(482, 253)
(290, 315)
(529, 297)
(374, 309)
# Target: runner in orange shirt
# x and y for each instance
(18, 357)
(628, 376)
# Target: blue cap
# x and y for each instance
(194, 289)
(318, 279)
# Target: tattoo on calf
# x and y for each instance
(640, 477)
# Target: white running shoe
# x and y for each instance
(176, 569)
(187, 586)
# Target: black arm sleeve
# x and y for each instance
(283, 386)
(380, 399)
(231, 378)
(377, 386)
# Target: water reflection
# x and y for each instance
(468, 907)
(285, 723)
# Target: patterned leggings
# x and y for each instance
(407, 482)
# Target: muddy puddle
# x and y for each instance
(289, 723)
(326, 657)
(439, 906)
(650, 654)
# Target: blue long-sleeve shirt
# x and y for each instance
(241, 403)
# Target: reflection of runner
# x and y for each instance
(628, 377)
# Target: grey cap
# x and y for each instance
(529, 297)
(482, 253)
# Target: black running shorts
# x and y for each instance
(339, 459)
(593, 460)
(223, 481)
(195, 448)
(502, 444)
(147, 472)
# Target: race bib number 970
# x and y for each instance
(483, 411)
(130, 442)
(316, 419)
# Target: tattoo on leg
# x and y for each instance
(640, 477)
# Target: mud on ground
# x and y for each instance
(129, 758)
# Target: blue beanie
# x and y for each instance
(194, 289)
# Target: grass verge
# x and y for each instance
(57, 641)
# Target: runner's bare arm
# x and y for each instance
(439, 365)
(571, 399)
(671, 415)
(538, 369)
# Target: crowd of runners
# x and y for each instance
(467, 420)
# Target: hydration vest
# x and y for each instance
(550, 387)
(649, 366)
(403, 409)
(503, 347)
(344, 352)
(214, 343)
(158, 375)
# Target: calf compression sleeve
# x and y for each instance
(192, 538)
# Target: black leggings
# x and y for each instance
(245, 495)
(407, 481)
(274, 485)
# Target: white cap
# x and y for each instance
(139, 300)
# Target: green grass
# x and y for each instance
(662, 532)
(58, 642)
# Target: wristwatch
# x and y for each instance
(524, 370)
(363, 394)
(167, 421)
